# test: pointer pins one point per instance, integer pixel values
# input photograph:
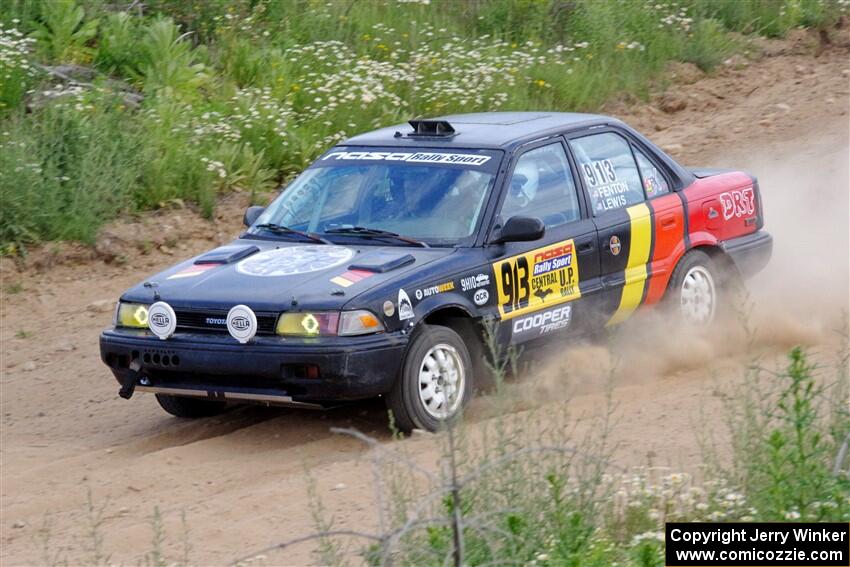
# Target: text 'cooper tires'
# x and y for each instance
(435, 381)
(695, 289)
(190, 407)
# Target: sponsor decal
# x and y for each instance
(410, 157)
(389, 308)
(738, 203)
(542, 323)
(294, 260)
(242, 323)
(615, 245)
(481, 297)
(606, 191)
(162, 321)
(351, 277)
(434, 290)
(405, 307)
(474, 282)
(191, 271)
(537, 279)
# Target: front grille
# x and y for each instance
(216, 321)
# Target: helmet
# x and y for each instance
(524, 183)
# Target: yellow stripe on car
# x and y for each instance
(639, 248)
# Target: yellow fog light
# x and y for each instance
(134, 315)
(307, 324)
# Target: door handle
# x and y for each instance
(668, 222)
(585, 247)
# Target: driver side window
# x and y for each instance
(542, 186)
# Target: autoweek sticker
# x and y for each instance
(538, 279)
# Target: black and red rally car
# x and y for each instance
(372, 273)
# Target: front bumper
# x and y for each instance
(750, 253)
(269, 369)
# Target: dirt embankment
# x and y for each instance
(240, 478)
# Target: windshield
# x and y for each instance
(432, 196)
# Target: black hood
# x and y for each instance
(269, 276)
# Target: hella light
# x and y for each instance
(307, 324)
(360, 322)
(134, 315)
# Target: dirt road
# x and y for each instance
(241, 478)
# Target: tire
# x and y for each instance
(694, 292)
(190, 407)
(418, 399)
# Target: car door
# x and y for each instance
(623, 220)
(544, 287)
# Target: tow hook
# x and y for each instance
(128, 385)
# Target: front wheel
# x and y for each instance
(694, 288)
(435, 381)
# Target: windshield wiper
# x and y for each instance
(280, 229)
(367, 232)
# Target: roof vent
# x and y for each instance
(431, 128)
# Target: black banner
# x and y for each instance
(757, 544)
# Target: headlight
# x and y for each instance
(346, 323)
(307, 324)
(133, 315)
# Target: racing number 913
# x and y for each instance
(537, 279)
(515, 289)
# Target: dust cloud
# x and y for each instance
(800, 298)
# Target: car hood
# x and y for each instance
(276, 275)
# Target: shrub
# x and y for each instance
(279, 82)
(68, 168)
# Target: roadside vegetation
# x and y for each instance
(108, 108)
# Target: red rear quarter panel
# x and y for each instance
(721, 207)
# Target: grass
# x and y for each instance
(526, 490)
(184, 100)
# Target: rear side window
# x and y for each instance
(609, 170)
(653, 181)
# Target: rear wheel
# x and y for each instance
(190, 407)
(435, 382)
(694, 287)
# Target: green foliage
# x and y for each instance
(785, 447)
(242, 94)
(63, 33)
(67, 169)
(168, 62)
(119, 49)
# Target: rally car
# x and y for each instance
(374, 271)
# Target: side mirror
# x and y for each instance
(522, 229)
(252, 214)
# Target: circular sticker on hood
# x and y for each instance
(162, 321)
(294, 260)
(242, 323)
